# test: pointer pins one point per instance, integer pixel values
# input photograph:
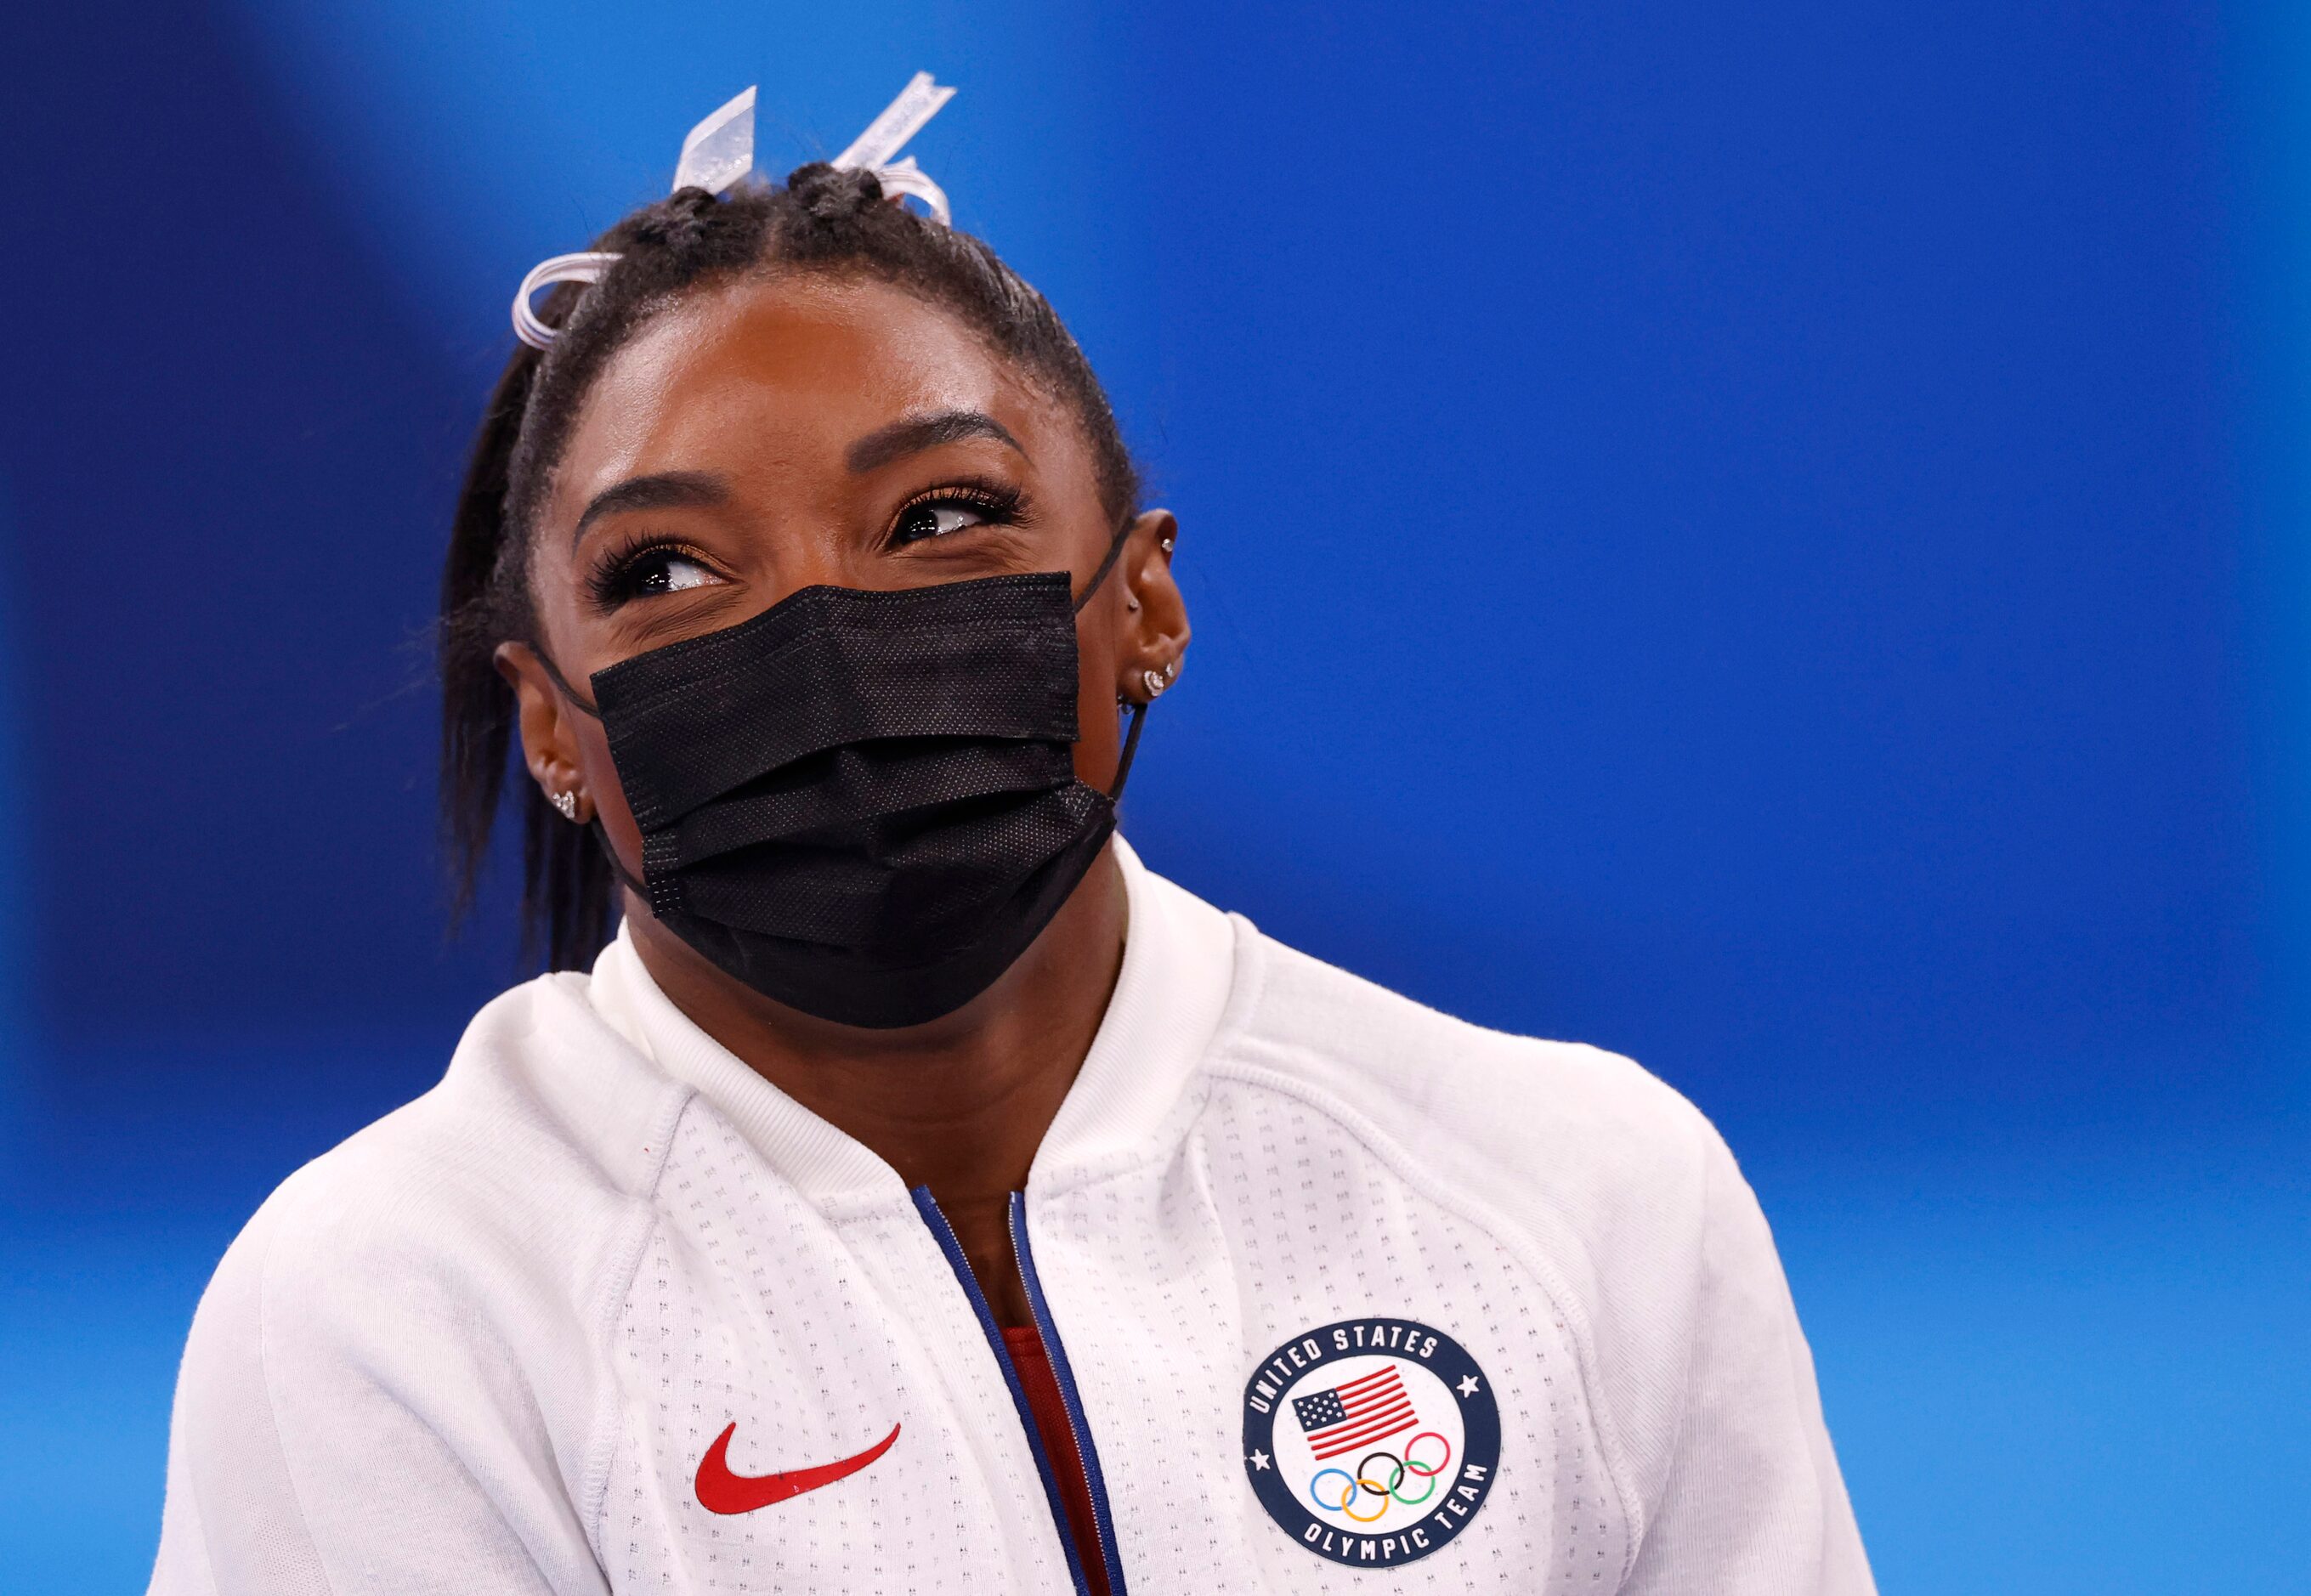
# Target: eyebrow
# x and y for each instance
(912, 436)
(662, 491)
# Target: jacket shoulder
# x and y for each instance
(478, 1215)
(436, 1284)
(1585, 1133)
(546, 1113)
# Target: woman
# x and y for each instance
(912, 1191)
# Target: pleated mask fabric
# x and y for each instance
(863, 804)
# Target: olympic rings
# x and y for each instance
(1361, 1482)
(1417, 1501)
(1346, 1496)
(1435, 1469)
(1381, 1490)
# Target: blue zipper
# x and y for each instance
(1102, 1522)
(944, 1232)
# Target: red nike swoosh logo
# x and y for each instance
(721, 1491)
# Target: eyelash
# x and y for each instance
(618, 574)
(999, 503)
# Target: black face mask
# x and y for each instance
(863, 804)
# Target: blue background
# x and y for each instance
(1771, 539)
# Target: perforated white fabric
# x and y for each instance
(500, 1331)
(1266, 1221)
(751, 1307)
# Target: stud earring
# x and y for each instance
(565, 804)
(1154, 684)
(1165, 545)
(1171, 669)
(1131, 604)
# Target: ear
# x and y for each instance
(1155, 617)
(549, 743)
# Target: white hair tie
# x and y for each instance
(721, 150)
(586, 266)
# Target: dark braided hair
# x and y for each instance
(825, 221)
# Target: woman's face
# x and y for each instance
(765, 437)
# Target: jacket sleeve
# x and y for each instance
(1752, 1503)
(339, 1428)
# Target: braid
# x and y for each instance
(826, 220)
(835, 197)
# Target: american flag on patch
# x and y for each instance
(1353, 1414)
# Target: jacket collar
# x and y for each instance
(1179, 963)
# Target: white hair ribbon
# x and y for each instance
(900, 120)
(721, 150)
(905, 177)
(887, 134)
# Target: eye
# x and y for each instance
(958, 507)
(666, 570)
(649, 571)
(936, 518)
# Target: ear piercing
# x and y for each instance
(1166, 543)
(1155, 681)
(565, 803)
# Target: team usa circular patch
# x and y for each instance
(1372, 1441)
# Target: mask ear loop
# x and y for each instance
(1138, 710)
(562, 685)
(1106, 565)
(641, 889)
(1131, 747)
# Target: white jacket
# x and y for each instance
(1344, 1295)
